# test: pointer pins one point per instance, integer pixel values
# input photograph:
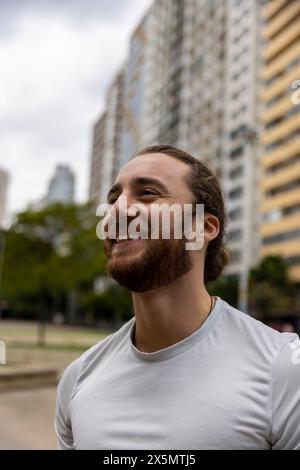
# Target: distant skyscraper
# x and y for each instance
(61, 187)
(3, 195)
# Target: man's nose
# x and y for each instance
(124, 206)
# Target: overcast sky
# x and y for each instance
(56, 59)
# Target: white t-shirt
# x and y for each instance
(233, 384)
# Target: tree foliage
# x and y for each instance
(271, 294)
(49, 254)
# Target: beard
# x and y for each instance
(156, 264)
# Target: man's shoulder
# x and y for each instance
(107, 343)
(82, 364)
(254, 332)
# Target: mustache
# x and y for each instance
(116, 231)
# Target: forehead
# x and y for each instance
(169, 170)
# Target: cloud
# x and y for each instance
(53, 78)
(73, 11)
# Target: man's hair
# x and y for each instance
(207, 191)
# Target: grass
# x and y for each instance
(62, 344)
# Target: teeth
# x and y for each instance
(120, 240)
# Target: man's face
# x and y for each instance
(145, 264)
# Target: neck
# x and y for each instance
(169, 314)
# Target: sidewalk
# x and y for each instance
(26, 419)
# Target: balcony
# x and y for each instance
(281, 62)
(288, 126)
(285, 224)
(281, 20)
(284, 249)
(281, 154)
(282, 41)
(282, 84)
(273, 7)
(281, 201)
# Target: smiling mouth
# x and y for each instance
(125, 241)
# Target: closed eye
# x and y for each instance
(148, 192)
(142, 193)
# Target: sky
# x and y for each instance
(57, 59)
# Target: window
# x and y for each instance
(235, 193)
(234, 235)
(236, 172)
(235, 214)
(281, 237)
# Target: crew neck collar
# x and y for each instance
(184, 344)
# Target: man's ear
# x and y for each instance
(211, 227)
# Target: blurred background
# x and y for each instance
(83, 86)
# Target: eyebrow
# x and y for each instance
(139, 181)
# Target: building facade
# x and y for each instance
(201, 129)
(280, 206)
(135, 90)
(241, 155)
(106, 148)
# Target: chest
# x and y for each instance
(189, 408)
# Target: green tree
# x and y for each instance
(112, 305)
(51, 256)
(271, 294)
(225, 287)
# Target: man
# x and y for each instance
(187, 371)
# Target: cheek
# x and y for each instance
(106, 246)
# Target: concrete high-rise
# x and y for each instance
(136, 79)
(240, 156)
(105, 159)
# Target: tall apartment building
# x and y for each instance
(106, 147)
(240, 157)
(3, 195)
(185, 73)
(201, 124)
(280, 205)
(163, 83)
(135, 88)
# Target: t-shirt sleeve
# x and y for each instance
(62, 423)
(285, 398)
